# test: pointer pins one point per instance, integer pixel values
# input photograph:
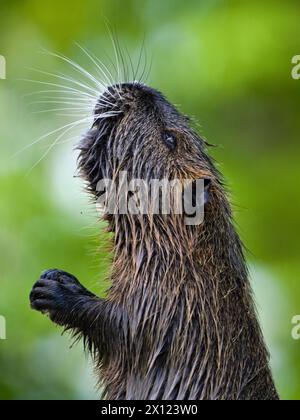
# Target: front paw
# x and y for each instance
(56, 294)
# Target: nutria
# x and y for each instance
(179, 320)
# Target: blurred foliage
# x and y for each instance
(227, 63)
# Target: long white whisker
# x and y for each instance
(53, 145)
(73, 115)
(52, 100)
(83, 120)
(101, 67)
(86, 104)
(116, 55)
(76, 66)
(101, 64)
(77, 94)
(140, 59)
(69, 98)
(107, 114)
(70, 101)
(61, 86)
(124, 61)
(71, 80)
(43, 111)
(89, 55)
(145, 64)
(131, 63)
(98, 83)
(70, 127)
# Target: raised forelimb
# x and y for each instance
(69, 304)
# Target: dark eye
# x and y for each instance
(170, 141)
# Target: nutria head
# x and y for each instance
(138, 131)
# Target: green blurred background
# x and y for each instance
(228, 64)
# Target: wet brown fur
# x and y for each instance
(192, 328)
(179, 321)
